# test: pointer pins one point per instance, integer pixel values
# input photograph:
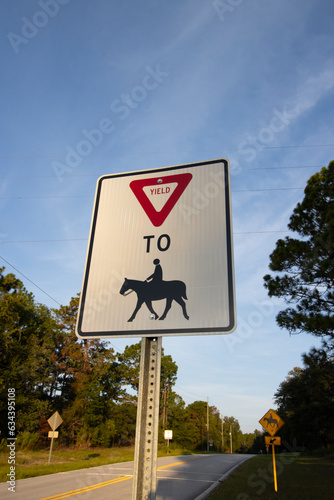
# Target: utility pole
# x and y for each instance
(207, 427)
(222, 434)
(231, 437)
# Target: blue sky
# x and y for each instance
(167, 83)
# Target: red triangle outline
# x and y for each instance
(158, 218)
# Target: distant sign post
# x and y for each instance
(159, 263)
(272, 424)
(54, 422)
(168, 436)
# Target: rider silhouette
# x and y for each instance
(156, 277)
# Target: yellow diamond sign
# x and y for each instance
(271, 422)
(55, 421)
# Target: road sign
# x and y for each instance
(53, 434)
(271, 422)
(168, 434)
(55, 421)
(275, 440)
(160, 259)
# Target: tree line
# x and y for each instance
(303, 276)
(92, 387)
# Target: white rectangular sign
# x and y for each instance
(160, 257)
(53, 434)
(168, 434)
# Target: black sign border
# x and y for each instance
(167, 331)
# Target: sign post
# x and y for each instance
(147, 426)
(54, 421)
(168, 436)
(272, 423)
(166, 235)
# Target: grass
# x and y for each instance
(35, 463)
(298, 478)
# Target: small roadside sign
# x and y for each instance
(271, 422)
(55, 421)
(275, 440)
(168, 434)
(53, 434)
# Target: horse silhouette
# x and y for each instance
(150, 291)
(271, 421)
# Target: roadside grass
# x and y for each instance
(298, 478)
(35, 463)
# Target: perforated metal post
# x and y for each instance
(147, 427)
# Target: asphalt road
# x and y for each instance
(179, 478)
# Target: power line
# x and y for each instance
(250, 148)
(43, 197)
(91, 196)
(276, 168)
(184, 390)
(261, 232)
(264, 189)
(45, 241)
(96, 175)
(26, 277)
(86, 239)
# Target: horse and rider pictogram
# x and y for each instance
(271, 422)
(155, 288)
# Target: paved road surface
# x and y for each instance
(179, 478)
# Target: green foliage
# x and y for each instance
(306, 401)
(28, 440)
(304, 277)
(130, 362)
(231, 425)
(305, 266)
(195, 435)
(175, 411)
(85, 381)
(25, 353)
(51, 369)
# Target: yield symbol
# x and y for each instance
(158, 217)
